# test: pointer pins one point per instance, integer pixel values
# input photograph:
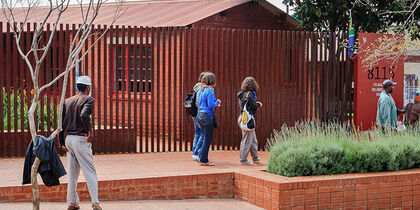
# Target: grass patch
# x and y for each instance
(324, 149)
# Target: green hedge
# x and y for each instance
(313, 149)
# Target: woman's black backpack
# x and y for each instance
(190, 104)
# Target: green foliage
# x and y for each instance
(368, 16)
(314, 149)
(24, 114)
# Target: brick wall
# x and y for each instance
(177, 187)
(362, 191)
(246, 16)
(383, 191)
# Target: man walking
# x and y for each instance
(386, 116)
(77, 125)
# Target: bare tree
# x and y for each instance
(37, 53)
(404, 36)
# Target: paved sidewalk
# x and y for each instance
(129, 166)
(201, 204)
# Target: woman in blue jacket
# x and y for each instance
(206, 104)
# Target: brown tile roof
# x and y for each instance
(153, 13)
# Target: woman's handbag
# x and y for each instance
(247, 121)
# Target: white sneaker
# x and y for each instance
(195, 158)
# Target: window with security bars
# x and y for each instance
(133, 68)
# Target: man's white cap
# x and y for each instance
(84, 80)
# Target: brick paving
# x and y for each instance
(202, 204)
(129, 166)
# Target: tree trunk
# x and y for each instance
(35, 165)
(34, 182)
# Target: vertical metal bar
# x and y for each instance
(91, 73)
(48, 79)
(19, 107)
(117, 46)
(220, 92)
(343, 78)
(54, 88)
(260, 76)
(164, 85)
(130, 85)
(188, 58)
(305, 77)
(283, 72)
(59, 64)
(175, 84)
(269, 86)
(277, 71)
(146, 77)
(153, 87)
(308, 75)
(171, 68)
(2, 85)
(237, 72)
(327, 76)
(70, 33)
(267, 93)
(57, 57)
(302, 75)
(348, 98)
(314, 74)
(100, 96)
(311, 77)
(8, 79)
(181, 83)
(293, 78)
(224, 87)
(322, 76)
(136, 87)
(107, 79)
(22, 87)
(43, 95)
(231, 91)
(216, 66)
(124, 91)
(289, 63)
(111, 71)
(143, 95)
(316, 83)
(180, 89)
(338, 81)
(334, 74)
(183, 43)
(159, 83)
(15, 72)
(237, 77)
(296, 75)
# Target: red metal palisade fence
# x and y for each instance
(141, 76)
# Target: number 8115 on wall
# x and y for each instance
(381, 73)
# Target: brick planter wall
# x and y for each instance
(379, 191)
(177, 187)
(386, 190)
